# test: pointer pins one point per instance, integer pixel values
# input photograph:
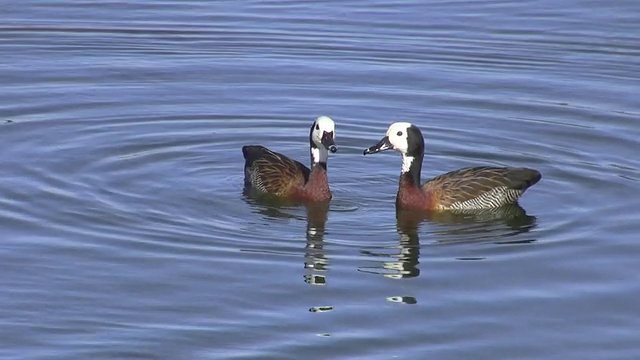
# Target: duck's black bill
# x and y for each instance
(327, 141)
(383, 145)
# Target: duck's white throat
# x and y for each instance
(406, 163)
(319, 155)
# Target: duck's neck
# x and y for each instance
(318, 176)
(319, 156)
(318, 184)
(411, 168)
(317, 187)
(410, 193)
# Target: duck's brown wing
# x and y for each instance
(272, 173)
(480, 187)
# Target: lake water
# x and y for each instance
(126, 234)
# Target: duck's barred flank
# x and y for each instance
(480, 187)
(493, 198)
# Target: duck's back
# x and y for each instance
(480, 187)
(272, 173)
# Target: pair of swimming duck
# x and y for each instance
(481, 187)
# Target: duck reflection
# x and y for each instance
(497, 225)
(402, 260)
(315, 260)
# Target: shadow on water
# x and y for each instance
(489, 225)
(316, 215)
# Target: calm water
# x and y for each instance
(126, 235)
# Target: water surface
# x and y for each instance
(126, 233)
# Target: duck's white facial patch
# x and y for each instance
(319, 154)
(406, 163)
(322, 124)
(398, 137)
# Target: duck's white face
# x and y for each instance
(323, 135)
(396, 138)
(398, 135)
(403, 138)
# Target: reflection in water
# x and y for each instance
(317, 213)
(495, 225)
(403, 299)
(320, 308)
(447, 227)
(315, 259)
(402, 260)
(268, 206)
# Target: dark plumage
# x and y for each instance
(479, 187)
(270, 173)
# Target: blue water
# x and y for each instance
(126, 234)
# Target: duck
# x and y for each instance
(270, 173)
(470, 188)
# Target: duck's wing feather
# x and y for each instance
(480, 187)
(273, 173)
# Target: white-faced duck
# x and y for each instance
(271, 173)
(468, 188)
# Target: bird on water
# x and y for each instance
(271, 173)
(470, 188)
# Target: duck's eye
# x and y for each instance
(317, 127)
(399, 133)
